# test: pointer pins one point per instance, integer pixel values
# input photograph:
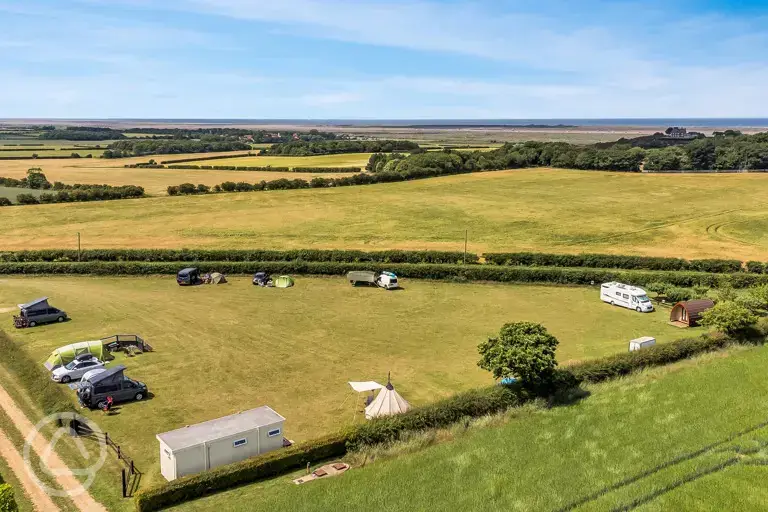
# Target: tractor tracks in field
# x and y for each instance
(678, 222)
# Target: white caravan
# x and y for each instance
(624, 295)
(641, 343)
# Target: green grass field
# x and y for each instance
(536, 209)
(654, 441)
(342, 160)
(231, 347)
(12, 192)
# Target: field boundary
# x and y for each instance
(456, 273)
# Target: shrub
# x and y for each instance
(678, 294)
(26, 199)
(757, 267)
(523, 350)
(173, 190)
(729, 317)
(187, 188)
(7, 501)
(4, 201)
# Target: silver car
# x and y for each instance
(76, 369)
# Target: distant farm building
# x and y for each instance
(688, 313)
(674, 132)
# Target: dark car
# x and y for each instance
(94, 392)
(188, 277)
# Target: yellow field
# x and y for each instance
(343, 160)
(154, 181)
(695, 216)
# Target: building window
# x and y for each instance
(273, 433)
(240, 442)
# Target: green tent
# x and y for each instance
(283, 282)
(67, 354)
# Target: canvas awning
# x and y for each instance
(362, 387)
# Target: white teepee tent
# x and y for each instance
(387, 403)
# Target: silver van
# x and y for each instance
(38, 312)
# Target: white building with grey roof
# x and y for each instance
(197, 448)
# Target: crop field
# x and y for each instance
(240, 346)
(154, 181)
(341, 160)
(694, 216)
(691, 436)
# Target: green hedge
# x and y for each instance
(473, 403)
(611, 367)
(31, 375)
(215, 157)
(224, 477)
(612, 261)
(7, 501)
(575, 276)
(160, 255)
(327, 169)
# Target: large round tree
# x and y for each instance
(523, 350)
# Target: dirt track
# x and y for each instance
(63, 475)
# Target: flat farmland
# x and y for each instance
(694, 216)
(221, 349)
(154, 181)
(341, 160)
(689, 436)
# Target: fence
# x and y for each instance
(130, 475)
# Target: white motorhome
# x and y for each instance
(624, 295)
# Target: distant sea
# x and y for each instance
(758, 122)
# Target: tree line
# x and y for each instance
(340, 146)
(63, 193)
(139, 147)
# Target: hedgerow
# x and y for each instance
(231, 255)
(31, 375)
(612, 261)
(553, 275)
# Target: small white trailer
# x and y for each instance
(626, 296)
(641, 343)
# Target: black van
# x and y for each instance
(93, 393)
(188, 276)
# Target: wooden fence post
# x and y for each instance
(119, 455)
(133, 469)
(125, 485)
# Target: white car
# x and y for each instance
(76, 369)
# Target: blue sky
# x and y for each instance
(342, 59)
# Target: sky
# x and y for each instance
(383, 59)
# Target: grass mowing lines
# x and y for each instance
(272, 345)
